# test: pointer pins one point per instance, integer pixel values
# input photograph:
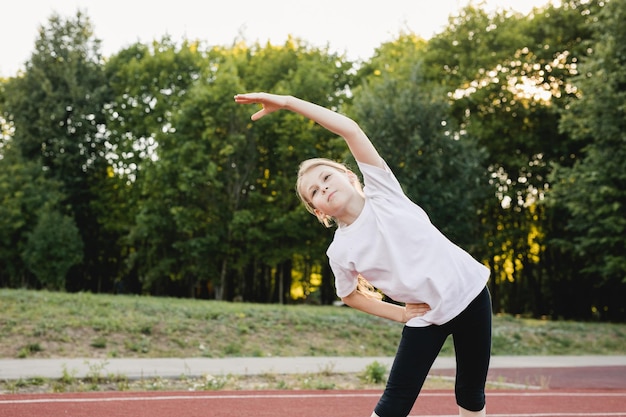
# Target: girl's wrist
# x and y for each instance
(403, 316)
(288, 104)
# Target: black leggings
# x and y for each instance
(419, 347)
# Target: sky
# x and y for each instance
(353, 27)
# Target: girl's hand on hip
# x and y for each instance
(412, 310)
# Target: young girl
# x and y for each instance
(385, 239)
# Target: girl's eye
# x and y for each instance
(326, 177)
(313, 193)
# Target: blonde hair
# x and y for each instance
(364, 287)
(305, 166)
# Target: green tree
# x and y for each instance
(24, 189)
(409, 119)
(149, 83)
(52, 248)
(220, 208)
(470, 58)
(507, 76)
(593, 189)
(282, 142)
(178, 229)
(56, 109)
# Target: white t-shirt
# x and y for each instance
(394, 246)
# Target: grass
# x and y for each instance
(41, 324)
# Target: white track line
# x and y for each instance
(140, 397)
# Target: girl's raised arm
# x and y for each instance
(358, 142)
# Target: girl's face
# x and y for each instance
(328, 189)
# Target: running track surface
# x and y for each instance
(556, 392)
(514, 403)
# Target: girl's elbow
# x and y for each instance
(354, 130)
(349, 299)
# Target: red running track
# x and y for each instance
(513, 403)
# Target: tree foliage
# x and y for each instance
(508, 77)
(56, 108)
(24, 190)
(52, 248)
(408, 118)
(593, 189)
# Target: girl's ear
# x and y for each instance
(352, 176)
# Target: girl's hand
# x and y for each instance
(412, 310)
(270, 102)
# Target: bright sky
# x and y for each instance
(355, 27)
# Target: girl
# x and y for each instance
(385, 239)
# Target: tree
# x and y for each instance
(24, 189)
(408, 118)
(149, 84)
(56, 108)
(507, 77)
(178, 229)
(471, 59)
(593, 189)
(228, 185)
(52, 248)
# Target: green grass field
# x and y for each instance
(39, 324)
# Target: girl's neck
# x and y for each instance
(351, 212)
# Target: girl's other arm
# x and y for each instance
(383, 309)
(358, 142)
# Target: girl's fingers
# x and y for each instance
(243, 100)
(248, 98)
(419, 309)
(258, 115)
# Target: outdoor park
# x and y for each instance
(145, 217)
